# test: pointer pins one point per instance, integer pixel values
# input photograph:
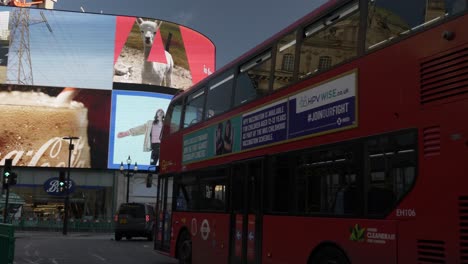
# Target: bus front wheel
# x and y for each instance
(329, 255)
(184, 248)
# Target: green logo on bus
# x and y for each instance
(357, 233)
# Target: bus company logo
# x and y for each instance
(357, 233)
(205, 229)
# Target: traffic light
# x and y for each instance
(7, 173)
(149, 180)
(62, 181)
(13, 179)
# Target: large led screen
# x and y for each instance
(136, 122)
(67, 49)
(59, 72)
(4, 39)
(155, 52)
(36, 119)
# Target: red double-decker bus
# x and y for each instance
(342, 139)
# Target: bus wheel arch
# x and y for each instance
(328, 253)
(184, 246)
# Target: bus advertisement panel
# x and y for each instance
(316, 110)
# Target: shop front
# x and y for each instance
(36, 202)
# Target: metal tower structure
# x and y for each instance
(19, 61)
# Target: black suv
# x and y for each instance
(134, 220)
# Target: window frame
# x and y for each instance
(190, 98)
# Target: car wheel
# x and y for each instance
(118, 236)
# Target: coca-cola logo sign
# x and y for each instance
(52, 153)
(51, 186)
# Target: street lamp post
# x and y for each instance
(128, 172)
(67, 185)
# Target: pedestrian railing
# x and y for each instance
(7, 244)
(74, 225)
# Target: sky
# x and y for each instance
(235, 27)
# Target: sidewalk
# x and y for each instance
(31, 234)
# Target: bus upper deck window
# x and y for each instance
(330, 41)
(389, 19)
(253, 80)
(285, 58)
(173, 116)
(219, 94)
(194, 108)
(454, 6)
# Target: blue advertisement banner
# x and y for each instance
(323, 108)
(265, 126)
(325, 118)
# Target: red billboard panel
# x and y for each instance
(161, 53)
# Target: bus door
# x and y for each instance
(163, 213)
(245, 199)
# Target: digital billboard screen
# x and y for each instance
(70, 74)
(136, 122)
(36, 119)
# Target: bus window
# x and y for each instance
(389, 19)
(219, 94)
(455, 6)
(326, 183)
(187, 193)
(194, 108)
(173, 116)
(284, 65)
(213, 195)
(202, 190)
(253, 80)
(329, 42)
(435, 9)
(392, 162)
(278, 199)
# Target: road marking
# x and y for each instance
(30, 261)
(98, 257)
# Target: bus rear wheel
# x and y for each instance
(329, 255)
(184, 248)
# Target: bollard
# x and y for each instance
(7, 244)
